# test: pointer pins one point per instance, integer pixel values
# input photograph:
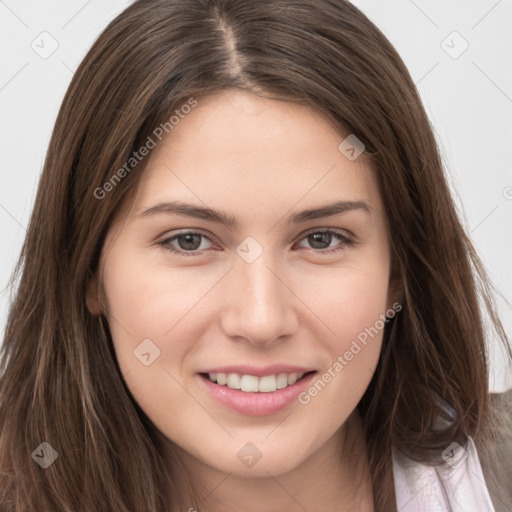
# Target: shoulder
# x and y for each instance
(494, 447)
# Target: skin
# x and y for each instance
(260, 160)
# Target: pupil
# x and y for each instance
(320, 237)
(188, 239)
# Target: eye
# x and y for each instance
(189, 243)
(319, 238)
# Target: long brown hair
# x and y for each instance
(60, 382)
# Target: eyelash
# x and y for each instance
(345, 242)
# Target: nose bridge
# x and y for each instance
(260, 306)
(262, 288)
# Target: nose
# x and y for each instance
(260, 306)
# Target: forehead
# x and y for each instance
(235, 148)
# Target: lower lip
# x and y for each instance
(256, 403)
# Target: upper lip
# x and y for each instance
(262, 371)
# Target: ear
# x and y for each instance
(92, 297)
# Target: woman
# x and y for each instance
(258, 368)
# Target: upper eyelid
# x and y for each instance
(185, 231)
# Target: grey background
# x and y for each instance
(468, 95)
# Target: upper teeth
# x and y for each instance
(251, 383)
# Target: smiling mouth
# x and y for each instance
(253, 384)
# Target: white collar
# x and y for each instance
(456, 486)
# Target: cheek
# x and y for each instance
(143, 304)
(353, 306)
(354, 309)
(147, 298)
(358, 306)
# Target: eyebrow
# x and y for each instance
(199, 212)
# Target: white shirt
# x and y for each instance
(456, 486)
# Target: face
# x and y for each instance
(275, 291)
